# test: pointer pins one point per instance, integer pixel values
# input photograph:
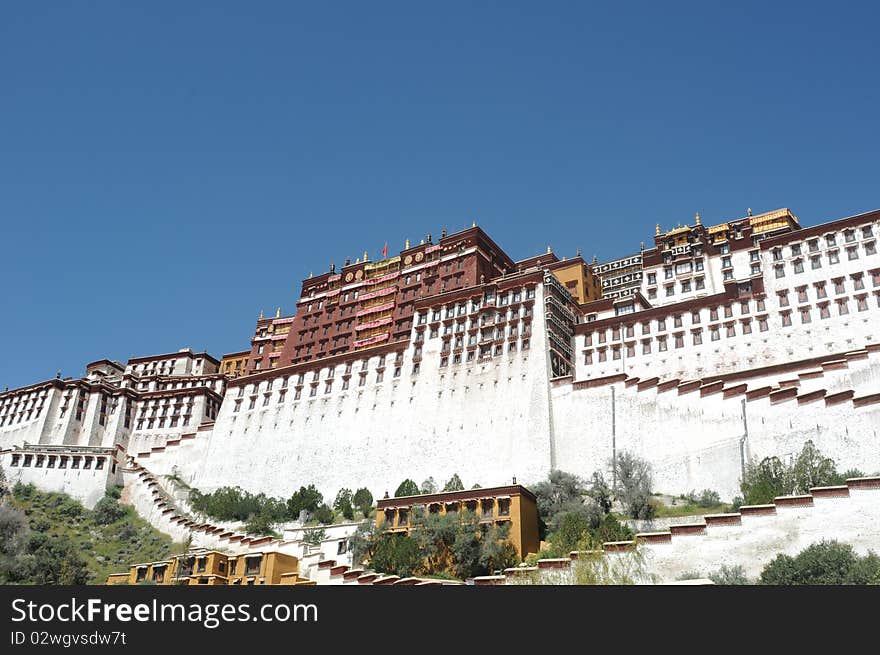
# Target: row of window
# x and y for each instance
(813, 245)
(821, 291)
(798, 265)
(484, 352)
(50, 461)
(805, 315)
(490, 298)
(487, 510)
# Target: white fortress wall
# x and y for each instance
(86, 485)
(693, 441)
(754, 543)
(485, 420)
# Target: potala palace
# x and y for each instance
(715, 346)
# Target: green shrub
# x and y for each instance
(407, 488)
(823, 563)
(729, 575)
(107, 511)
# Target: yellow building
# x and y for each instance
(211, 567)
(234, 364)
(579, 278)
(514, 505)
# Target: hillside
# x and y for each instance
(65, 543)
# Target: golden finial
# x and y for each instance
(422, 242)
(278, 313)
(474, 224)
(548, 250)
(698, 219)
(578, 252)
(261, 314)
(657, 230)
(311, 275)
(407, 245)
(366, 256)
(750, 211)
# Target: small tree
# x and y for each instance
(4, 485)
(601, 492)
(765, 481)
(429, 486)
(826, 562)
(363, 501)
(343, 504)
(812, 469)
(453, 484)
(634, 485)
(107, 510)
(324, 515)
(729, 575)
(407, 488)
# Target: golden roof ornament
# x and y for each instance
(278, 313)
(699, 222)
(657, 230)
(357, 261)
(750, 211)
(261, 314)
(366, 256)
(474, 224)
(548, 250)
(407, 245)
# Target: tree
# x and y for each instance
(826, 562)
(4, 485)
(407, 488)
(55, 561)
(453, 484)
(573, 527)
(343, 504)
(260, 524)
(601, 492)
(496, 551)
(360, 543)
(396, 553)
(556, 492)
(363, 501)
(107, 510)
(14, 537)
(634, 485)
(812, 469)
(429, 486)
(765, 481)
(324, 514)
(307, 499)
(729, 575)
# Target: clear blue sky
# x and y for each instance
(168, 170)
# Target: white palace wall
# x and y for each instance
(486, 420)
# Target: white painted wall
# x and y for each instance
(84, 485)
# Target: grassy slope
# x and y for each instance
(108, 548)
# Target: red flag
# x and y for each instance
(385, 250)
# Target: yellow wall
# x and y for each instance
(523, 520)
(587, 286)
(216, 571)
